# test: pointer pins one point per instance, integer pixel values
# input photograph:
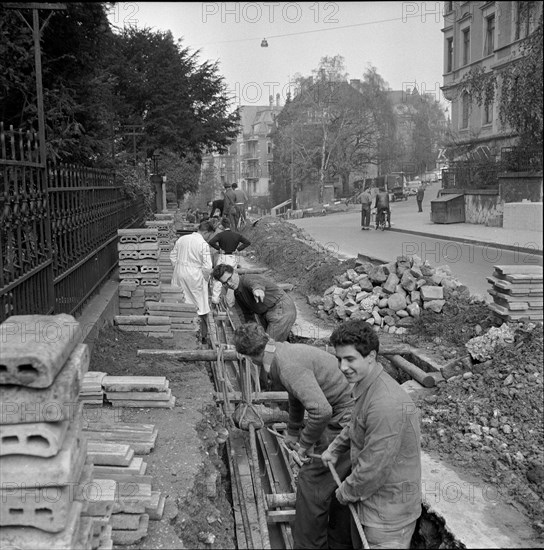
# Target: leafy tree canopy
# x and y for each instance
(97, 82)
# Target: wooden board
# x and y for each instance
(146, 404)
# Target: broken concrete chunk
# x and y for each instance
(413, 309)
(396, 301)
(390, 285)
(430, 292)
(434, 305)
(408, 281)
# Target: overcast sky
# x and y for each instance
(401, 39)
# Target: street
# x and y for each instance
(471, 264)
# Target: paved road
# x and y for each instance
(469, 263)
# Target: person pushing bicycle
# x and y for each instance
(382, 207)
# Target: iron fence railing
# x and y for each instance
(521, 159)
(58, 226)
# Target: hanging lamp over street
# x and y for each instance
(264, 43)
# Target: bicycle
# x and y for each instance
(381, 220)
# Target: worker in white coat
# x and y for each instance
(192, 261)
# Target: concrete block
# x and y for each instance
(20, 404)
(99, 497)
(128, 239)
(126, 537)
(170, 404)
(128, 254)
(136, 231)
(127, 269)
(148, 255)
(147, 281)
(434, 305)
(130, 320)
(156, 509)
(130, 247)
(122, 520)
(139, 395)
(36, 347)
(431, 292)
(61, 469)
(30, 537)
(109, 454)
(33, 439)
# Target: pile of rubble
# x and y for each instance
(389, 296)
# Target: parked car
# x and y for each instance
(412, 186)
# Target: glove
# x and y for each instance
(259, 295)
(340, 498)
(291, 441)
(327, 457)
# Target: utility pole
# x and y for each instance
(292, 172)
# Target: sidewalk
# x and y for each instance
(529, 242)
(409, 220)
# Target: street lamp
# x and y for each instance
(264, 43)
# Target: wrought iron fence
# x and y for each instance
(521, 159)
(58, 227)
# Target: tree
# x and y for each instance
(181, 105)
(517, 86)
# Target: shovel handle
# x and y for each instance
(351, 507)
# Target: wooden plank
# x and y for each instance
(280, 516)
(124, 438)
(260, 397)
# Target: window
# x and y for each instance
(269, 148)
(489, 45)
(466, 46)
(449, 55)
(465, 110)
(449, 7)
(488, 113)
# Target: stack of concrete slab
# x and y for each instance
(141, 392)
(517, 292)
(42, 446)
(150, 325)
(140, 437)
(139, 256)
(171, 293)
(132, 297)
(183, 317)
(166, 238)
(91, 392)
(122, 489)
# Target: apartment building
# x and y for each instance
(486, 34)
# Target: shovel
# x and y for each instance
(350, 505)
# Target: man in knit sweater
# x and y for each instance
(315, 385)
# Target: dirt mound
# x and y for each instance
(294, 255)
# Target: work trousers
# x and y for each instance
(384, 538)
(365, 215)
(321, 521)
(419, 205)
(279, 319)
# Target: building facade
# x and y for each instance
(487, 35)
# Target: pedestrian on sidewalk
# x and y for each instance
(229, 204)
(316, 386)
(257, 295)
(192, 263)
(228, 243)
(366, 205)
(384, 441)
(419, 197)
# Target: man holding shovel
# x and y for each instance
(383, 438)
(314, 385)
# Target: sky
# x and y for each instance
(401, 39)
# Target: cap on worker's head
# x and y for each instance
(226, 185)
